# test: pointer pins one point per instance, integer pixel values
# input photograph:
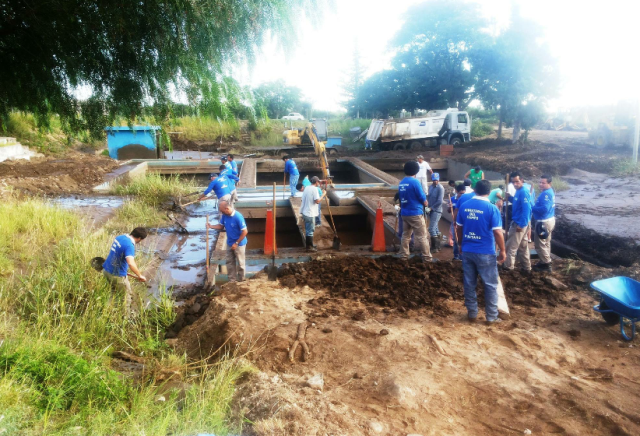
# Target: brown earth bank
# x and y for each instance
(608, 250)
(376, 364)
(74, 173)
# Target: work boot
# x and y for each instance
(309, 243)
(435, 246)
(542, 267)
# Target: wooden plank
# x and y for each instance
(247, 174)
(373, 171)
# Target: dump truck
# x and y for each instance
(437, 127)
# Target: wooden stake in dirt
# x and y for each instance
(300, 339)
(437, 345)
(207, 256)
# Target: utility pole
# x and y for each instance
(636, 136)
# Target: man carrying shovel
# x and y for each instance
(234, 224)
(222, 185)
(120, 259)
(478, 229)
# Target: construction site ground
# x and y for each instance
(390, 341)
(395, 355)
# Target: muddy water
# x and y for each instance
(98, 209)
(605, 205)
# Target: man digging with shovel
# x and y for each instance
(120, 259)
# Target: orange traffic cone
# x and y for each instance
(378, 242)
(269, 243)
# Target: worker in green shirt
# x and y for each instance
(496, 196)
(475, 174)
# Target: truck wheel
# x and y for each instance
(400, 146)
(416, 145)
(456, 141)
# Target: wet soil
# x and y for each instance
(395, 284)
(610, 250)
(75, 173)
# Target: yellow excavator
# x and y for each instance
(306, 138)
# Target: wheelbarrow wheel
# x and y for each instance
(627, 323)
(609, 317)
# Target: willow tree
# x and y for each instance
(130, 54)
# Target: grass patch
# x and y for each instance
(195, 128)
(136, 213)
(60, 322)
(559, 184)
(154, 190)
(626, 168)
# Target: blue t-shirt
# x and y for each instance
(291, 168)
(464, 198)
(479, 218)
(234, 167)
(116, 263)
(234, 224)
(412, 197)
(521, 211)
(545, 207)
(221, 186)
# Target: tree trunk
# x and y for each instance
(516, 132)
(500, 126)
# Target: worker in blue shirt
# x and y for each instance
(413, 200)
(234, 224)
(544, 213)
(479, 229)
(518, 236)
(232, 177)
(455, 202)
(221, 184)
(122, 257)
(291, 169)
(233, 164)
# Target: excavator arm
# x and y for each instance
(320, 149)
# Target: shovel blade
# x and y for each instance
(96, 263)
(337, 244)
(272, 273)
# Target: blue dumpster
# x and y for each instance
(332, 141)
(137, 142)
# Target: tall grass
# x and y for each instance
(205, 128)
(59, 323)
(155, 190)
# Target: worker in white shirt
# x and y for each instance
(423, 173)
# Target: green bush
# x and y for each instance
(480, 129)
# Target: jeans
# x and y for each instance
(293, 181)
(434, 219)
(309, 225)
(487, 267)
(318, 222)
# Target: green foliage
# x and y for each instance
(278, 98)
(63, 379)
(489, 116)
(480, 129)
(154, 190)
(129, 54)
(626, 167)
(60, 320)
(559, 184)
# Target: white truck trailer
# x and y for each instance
(449, 126)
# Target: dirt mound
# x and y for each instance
(75, 173)
(395, 284)
(535, 158)
(606, 250)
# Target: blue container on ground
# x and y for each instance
(332, 141)
(137, 142)
(619, 301)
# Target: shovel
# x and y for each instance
(272, 271)
(96, 263)
(336, 240)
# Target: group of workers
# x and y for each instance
(477, 226)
